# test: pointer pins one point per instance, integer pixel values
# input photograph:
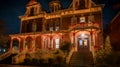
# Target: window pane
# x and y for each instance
(57, 42)
(57, 28)
(82, 19)
(80, 42)
(85, 42)
(51, 28)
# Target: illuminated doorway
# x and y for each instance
(83, 43)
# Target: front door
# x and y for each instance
(83, 44)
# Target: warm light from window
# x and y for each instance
(51, 28)
(82, 19)
(57, 28)
(57, 43)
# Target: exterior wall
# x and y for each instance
(27, 25)
(113, 30)
(42, 38)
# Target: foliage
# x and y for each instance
(44, 57)
(106, 56)
(65, 47)
(4, 39)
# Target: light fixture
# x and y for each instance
(82, 34)
(4, 50)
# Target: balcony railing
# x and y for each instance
(84, 26)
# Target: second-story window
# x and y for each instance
(51, 28)
(32, 12)
(82, 19)
(73, 20)
(90, 19)
(57, 25)
(57, 28)
(34, 27)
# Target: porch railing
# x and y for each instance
(5, 55)
(69, 55)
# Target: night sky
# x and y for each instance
(11, 9)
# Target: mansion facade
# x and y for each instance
(80, 24)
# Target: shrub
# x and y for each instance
(65, 47)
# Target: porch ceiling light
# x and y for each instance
(82, 35)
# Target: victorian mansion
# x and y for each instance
(80, 24)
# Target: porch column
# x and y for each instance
(33, 44)
(19, 45)
(24, 46)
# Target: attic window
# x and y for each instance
(32, 12)
(82, 4)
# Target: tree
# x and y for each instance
(4, 39)
(104, 53)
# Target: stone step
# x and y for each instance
(81, 58)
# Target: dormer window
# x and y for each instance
(82, 4)
(82, 19)
(32, 12)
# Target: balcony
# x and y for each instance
(83, 26)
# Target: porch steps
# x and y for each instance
(81, 59)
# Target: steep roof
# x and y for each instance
(32, 2)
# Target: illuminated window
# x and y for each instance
(57, 42)
(51, 28)
(82, 19)
(85, 42)
(80, 42)
(57, 28)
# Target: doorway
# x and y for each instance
(83, 43)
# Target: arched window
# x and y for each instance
(16, 44)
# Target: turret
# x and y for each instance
(33, 8)
(54, 5)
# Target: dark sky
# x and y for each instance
(11, 9)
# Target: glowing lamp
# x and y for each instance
(82, 34)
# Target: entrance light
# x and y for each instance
(82, 34)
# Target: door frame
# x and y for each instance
(83, 47)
